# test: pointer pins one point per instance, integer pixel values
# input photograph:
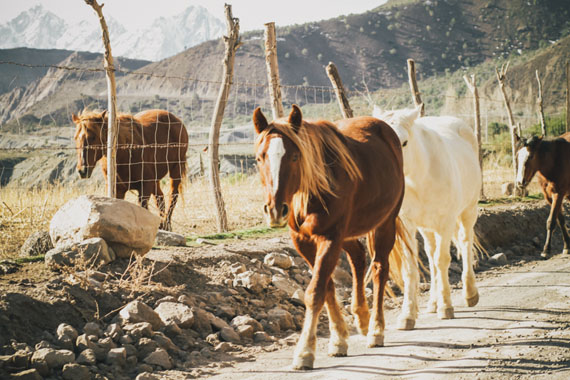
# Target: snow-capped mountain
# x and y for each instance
(166, 36)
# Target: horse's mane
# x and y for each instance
(314, 139)
(130, 130)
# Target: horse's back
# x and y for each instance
(163, 126)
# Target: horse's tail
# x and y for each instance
(403, 241)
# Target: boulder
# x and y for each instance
(29, 374)
(38, 243)
(125, 227)
(246, 320)
(137, 311)
(175, 312)
(53, 358)
(117, 357)
(89, 251)
(169, 238)
(282, 317)
(87, 357)
(73, 371)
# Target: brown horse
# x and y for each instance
(150, 145)
(551, 159)
(333, 184)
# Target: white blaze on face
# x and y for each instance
(522, 157)
(275, 154)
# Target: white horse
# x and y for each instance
(443, 182)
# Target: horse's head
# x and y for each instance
(527, 160)
(402, 122)
(90, 140)
(278, 160)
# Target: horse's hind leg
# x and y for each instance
(442, 259)
(465, 238)
(175, 181)
(550, 222)
(359, 307)
(562, 224)
(411, 277)
(159, 195)
(384, 238)
(429, 247)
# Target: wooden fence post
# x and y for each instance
(232, 43)
(343, 103)
(112, 103)
(501, 76)
(472, 85)
(273, 71)
(567, 96)
(414, 86)
(540, 106)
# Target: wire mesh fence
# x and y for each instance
(42, 149)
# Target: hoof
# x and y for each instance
(472, 301)
(446, 313)
(565, 251)
(406, 324)
(338, 351)
(375, 341)
(544, 254)
(303, 363)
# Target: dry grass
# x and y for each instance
(25, 211)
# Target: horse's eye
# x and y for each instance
(405, 143)
(295, 157)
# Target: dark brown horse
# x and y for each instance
(151, 144)
(333, 184)
(550, 159)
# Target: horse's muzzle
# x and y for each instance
(276, 217)
(85, 172)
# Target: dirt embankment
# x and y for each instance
(34, 300)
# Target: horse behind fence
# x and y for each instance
(150, 145)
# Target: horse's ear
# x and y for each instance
(104, 114)
(75, 118)
(517, 139)
(377, 112)
(259, 120)
(295, 118)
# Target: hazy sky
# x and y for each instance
(252, 13)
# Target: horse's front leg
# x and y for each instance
(442, 259)
(320, 289)
(562, 224)
(551, 222)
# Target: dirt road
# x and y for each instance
(519, 330)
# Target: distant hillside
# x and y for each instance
(369, 49)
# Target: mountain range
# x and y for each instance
(164, 37)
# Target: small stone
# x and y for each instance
(172, 330)
(73, 371)
(499, 259)
(245, 332)
(145, 347)
(168, 238)
(137, 311)
(246, 320)
(138, 330)
(159, 357)
(87, 357)
(117, 357)
(177, 313)
(65, 330)
(237, 268)
(114, 331)
(53, 358)
(38, 243)
(217, 323)
(256, 282)
(29, 374)
(261, 337)
(92, 328)
(223, 347)
(282, 317)
(229, 335)
(285, 284)
(279, 260)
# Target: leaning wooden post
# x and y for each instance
(501, 78)
(232, 43)
(567, 96)
(414, 86)
(273, 71)
(343, 103)
(112, 103)
(472, 85)
(540, 106)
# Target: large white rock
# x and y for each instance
(175, 312)
(126, 227)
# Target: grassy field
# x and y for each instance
(25, 211)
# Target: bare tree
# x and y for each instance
(343, 103)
